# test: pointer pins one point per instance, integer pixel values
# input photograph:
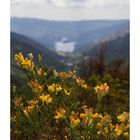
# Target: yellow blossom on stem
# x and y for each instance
(18, 102)
(51, 88)
(25, 63)
(123, 117)
(74, 120)
(118, 130)
(28, 110)
(106, 130)
(40, 72)
(66, 75)
(99, 124)
(102, 89)
(58, 88)
(35, 86)
(19, 58)
(84, 86)
(67, 92)
(45, 73)
(87, 116)
(26, 113)
(99, 133)
(60, 113)
(96, 115)
(81, 83)
(33, 102)
(30, 56)
(46, 98)
(126, 134)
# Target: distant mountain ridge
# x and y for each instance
(48, 32)
(115, 48)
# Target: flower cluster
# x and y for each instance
(81, 83)
(74, 119)
(25, 63)
(60, 113)
(66, 75)
(35, 86)
(45, 98)
(122, 128)
(88, 116)
(54, 88)
(102, 89)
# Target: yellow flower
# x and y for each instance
(102, 89)
(99, 124)
(33, 102)
(40, 72)
(66, 75)
(30, 56)
(45, 74)
(26, 113)
(106, 130)
(81, 83)
(18, 102)
(84, 86)
(25, 63)
(51, 88)
(66, 138)
(127, 126)
(28, 110)
(98, 133)
(82, 115)
(126, 134)
(74, 120)
(87, 116)
(97, 88)
(118, 130)
(123, 117)
(87, 112)
(67, 92)
(60, 113)
(19, 58)
(35, 86)
(46, 98)
(96, 115)
(58, 88)
(111, 126)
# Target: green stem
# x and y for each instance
(98, 106)
(86, 132)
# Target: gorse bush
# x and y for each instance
(54, 109)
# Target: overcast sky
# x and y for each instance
(71, 9)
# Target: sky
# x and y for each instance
(70, 9)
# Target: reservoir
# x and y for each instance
(65, 46)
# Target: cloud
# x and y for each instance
(87, 3)
(72, 3)
(71, 9)
(28, 2)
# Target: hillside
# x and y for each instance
(114, 49)
(20, 43)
